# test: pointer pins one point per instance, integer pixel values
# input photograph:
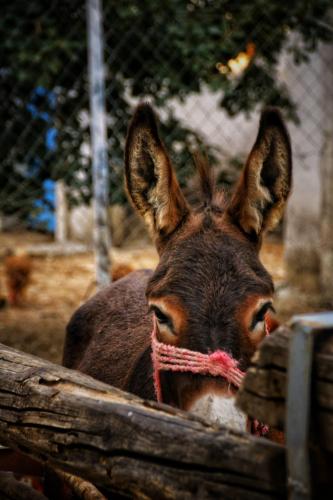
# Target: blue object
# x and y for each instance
(51, 139)
(43, 213)
(43, 216)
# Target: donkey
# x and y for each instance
(209, 293)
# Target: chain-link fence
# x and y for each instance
(207, 67)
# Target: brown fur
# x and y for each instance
(89, 340)
(209, 275)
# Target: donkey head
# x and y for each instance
(209, 291)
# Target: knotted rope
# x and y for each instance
(168, 357)
(177, 359)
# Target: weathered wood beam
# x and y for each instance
(12, 489)
(263, 394)
(121, 443)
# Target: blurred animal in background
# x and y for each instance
(121, 270)
(17, 269)
(118, 271)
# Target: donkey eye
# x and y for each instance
(162, 318)
(260, 315)
(164, 321)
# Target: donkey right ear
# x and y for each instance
(150, 178)
(262, 191)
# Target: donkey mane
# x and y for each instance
(211, 197)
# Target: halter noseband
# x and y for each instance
(168, 357)
(177, 359)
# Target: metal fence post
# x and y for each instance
(306, 328)
(298, 412)
(61, 231)
(102, 235)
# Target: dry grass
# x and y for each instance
(59, 285)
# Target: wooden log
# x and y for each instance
(12, 489)
(81, 488)
(120, 443)
(263, 394)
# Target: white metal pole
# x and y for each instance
(102, 235)
(61, 231)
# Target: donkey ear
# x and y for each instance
(264, 186)
(150, 178)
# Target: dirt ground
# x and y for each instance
(59, 284)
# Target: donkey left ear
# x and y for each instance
(263, 189)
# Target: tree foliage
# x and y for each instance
(160, 50)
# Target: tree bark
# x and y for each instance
(118, 442)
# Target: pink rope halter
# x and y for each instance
(176, 359)
(167, 357)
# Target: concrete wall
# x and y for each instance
(326, 226)
(302, 228)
